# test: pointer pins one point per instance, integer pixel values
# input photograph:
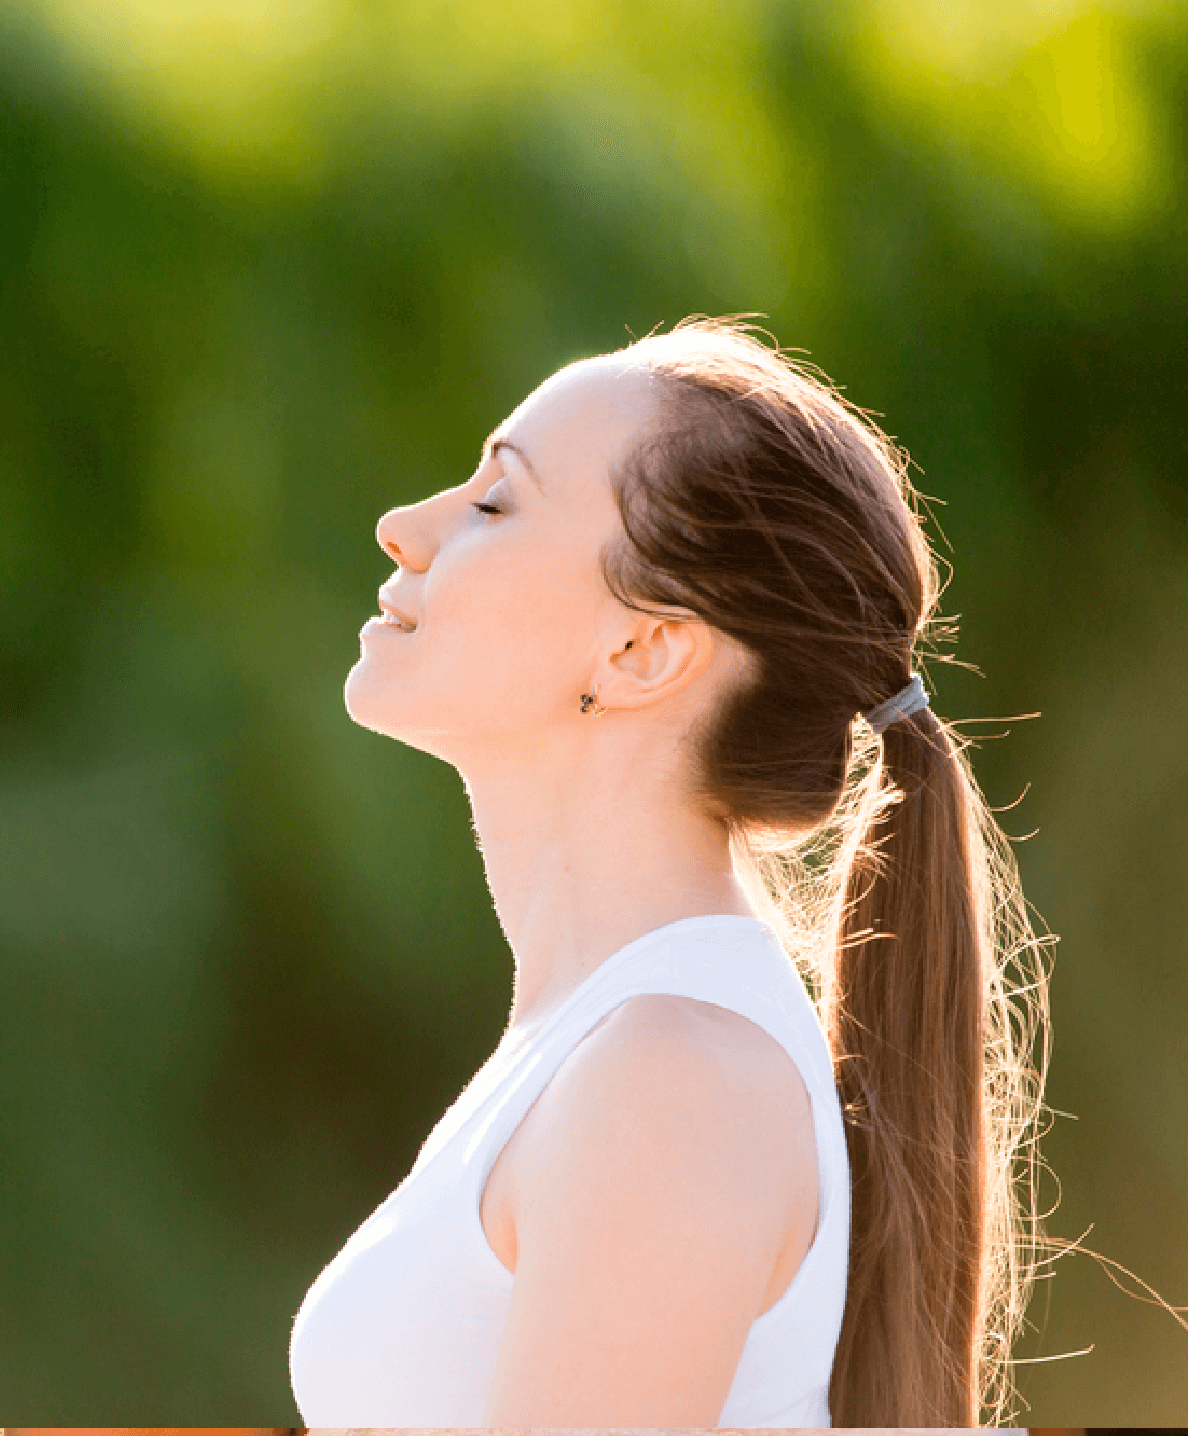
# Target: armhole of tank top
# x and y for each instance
(490, 1147)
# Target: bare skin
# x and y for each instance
(590, 839)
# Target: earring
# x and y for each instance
(590, 702)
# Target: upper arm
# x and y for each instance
(665, 1160)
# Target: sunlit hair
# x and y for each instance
(783, 518)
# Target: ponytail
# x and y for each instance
(919, 1024)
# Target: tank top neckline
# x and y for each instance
(515, 1037)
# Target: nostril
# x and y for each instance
(384, 536)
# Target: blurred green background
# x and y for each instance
(270, 267)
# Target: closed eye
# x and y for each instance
(486, 508)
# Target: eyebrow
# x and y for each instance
(492, 446)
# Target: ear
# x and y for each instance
(664, 657)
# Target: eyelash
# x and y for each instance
(486, 508)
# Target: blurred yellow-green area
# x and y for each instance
(271, 267)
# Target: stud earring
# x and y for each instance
(590, 703)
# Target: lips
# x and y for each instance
(396, 615)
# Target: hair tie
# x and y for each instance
(907, 701)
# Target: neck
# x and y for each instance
(582, 861)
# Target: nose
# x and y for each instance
(412, 533)
(385, 534)
(393, 533)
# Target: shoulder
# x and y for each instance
(669, 1056)
(659, 1069)
(668, 1158)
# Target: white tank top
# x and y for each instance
(403, 1327)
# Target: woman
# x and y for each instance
(642, 632)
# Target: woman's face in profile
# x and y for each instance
(511, 610)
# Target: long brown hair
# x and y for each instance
(782, 517)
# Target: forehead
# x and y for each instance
(582, 420)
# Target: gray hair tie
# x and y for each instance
(907, 701)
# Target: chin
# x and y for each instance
(364, 704)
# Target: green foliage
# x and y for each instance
(268, 270)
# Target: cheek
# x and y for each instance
(512, 641)
(515, 596)
(521, 636)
